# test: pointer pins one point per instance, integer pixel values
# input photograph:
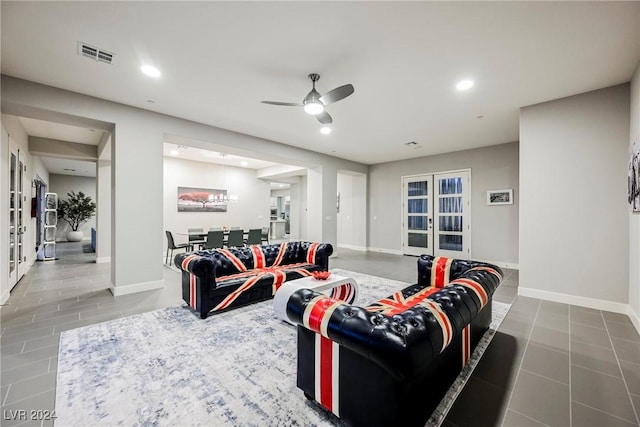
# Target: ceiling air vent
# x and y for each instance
(95, 53)
(410, 143)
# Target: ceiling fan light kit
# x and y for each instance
(314, 103)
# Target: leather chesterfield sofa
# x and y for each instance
(221, 279)
(390, 363)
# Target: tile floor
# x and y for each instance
(549, 364)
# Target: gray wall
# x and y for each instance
(574, 224)
(634, 218)
(63, 184)
(494, 229)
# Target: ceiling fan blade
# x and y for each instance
(324, 118)
(286, 104)
(337, 94)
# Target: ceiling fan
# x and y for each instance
(314, 103)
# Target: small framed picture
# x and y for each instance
(500, 197)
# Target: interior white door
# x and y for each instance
(452, 228)
(417, 221)
(13, 217)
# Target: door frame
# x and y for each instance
(433, 186)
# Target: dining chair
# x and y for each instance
(171, 245)
(236, 238)
(215, 239)
(254, 237)
(195, 236)
(264, 236)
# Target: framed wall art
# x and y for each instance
(500, 197)
(192, 199)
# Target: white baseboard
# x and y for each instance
(135, 288)
(616, 307)
(635, 318)
(502, 264)
(102, 259)
(385, 251)
(4, 297)
(352, 247)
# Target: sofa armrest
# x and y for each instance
(403, 344)
(318, 253)
(201, 266)
(446, 269)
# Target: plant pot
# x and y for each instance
(75, 236)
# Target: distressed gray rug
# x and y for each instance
(170, 368)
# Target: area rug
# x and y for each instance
(170, 368)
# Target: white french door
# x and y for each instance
(436, 214)
(17, 227)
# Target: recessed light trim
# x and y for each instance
(464, 85)
(174, 152)
(150, 71)
(325, 130)
(244, 164)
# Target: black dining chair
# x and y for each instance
(236, 238)
(264, 236)
(196, 236)
(254, 237)
(171, 245)
(215, 239)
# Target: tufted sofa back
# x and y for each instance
(403, 343)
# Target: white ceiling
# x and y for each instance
(69, 166)
(207, 156)
(220, 59)
(60, 131)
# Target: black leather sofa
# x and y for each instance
(222, 279)
(390, 363)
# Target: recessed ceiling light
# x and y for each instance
(464, 85)
(150, 71)
(325, 130)
(174, 152)
(244, 164)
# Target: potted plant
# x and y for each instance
(76, 210)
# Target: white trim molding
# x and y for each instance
(635, 319)
(136, 287)
(616, 307)
(386, 251)
(502, 264)
(4, 297)
(352, 247)
(103, 259)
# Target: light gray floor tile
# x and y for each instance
(573, 308)
(635, 399)
(631, 373)
(24, 389)
(623, 330)
(10, 350)
(554, 307)
(42, 401)
(550, 338)
(542, 399)
(558, 322)
(517, 324)
(602, 392)
(42, 342)
(11, 338)
(21, 359)
(585, 416)
(616, 317)
(24, 372)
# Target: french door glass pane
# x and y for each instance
(418, 206)
(417, 222)
(451, 204)
(418, 240)
(450, 242)
(450, 185)
(450, 223)
(419, 188)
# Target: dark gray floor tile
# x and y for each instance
(42, 342)
(525, 306)
(11, 338)
(587, 318)
(53, 364)
(625, 331)
(27, 388)
(595, 358)
(542, 399)
(44, 401)
(21, 359)
(548, 363)
(631, 372)
(3, 393)
(516, 324)
(602, 392)
(590, 335)
(627, 350)
(554, 307)
(558, 322)
(585, 416)
(501, 360)
(573, 308)
(478, 404)
(635, 399)
(514, 419)
(550, 338)
(12, 349)
(24, 372)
